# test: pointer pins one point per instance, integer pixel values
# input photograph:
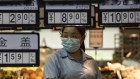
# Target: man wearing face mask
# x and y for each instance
(71, 62)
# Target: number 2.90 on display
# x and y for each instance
(17, 18)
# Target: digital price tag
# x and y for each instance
(3, 2)
(22, 15)
(17, 18)
(67, 18)
(19, 57)
(67, 0)
(11, 0)
(120, 17)
(68, 14)
(122, 12)
(0, 57)
(19, 49)
(119, 4)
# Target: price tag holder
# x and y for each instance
(19, 49)
(3, 2)
(120, 12)
(68, 14)
(68, 0)
(20, 15)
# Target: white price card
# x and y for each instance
(19, 58)
(26, 58)
(77, 17)
(18, 41)
(68, 14)
(83, 17)
(51, 17)
(67, 7)
(32, 18)
(138, 17)
(11, 0)
(32, 58)
(132, 17)
(67, 17)
(6, 58)
(112, 17)
(25, 18)
(119, 4)
(12, 17)
(70, 17)
(64, 18)
(31, 6)
(18, 18)
(118, 16)
(0, 57)
(19, 49)
(125, 17)
(121, 17)
(6, 18)
(12, 57)
(1, 18)
(105, 17)
(57, 17)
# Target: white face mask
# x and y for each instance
(71, 44)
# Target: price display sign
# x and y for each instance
(122, 12)
(19, 49)
(68, 0)
(3, 2)
(68, 14)
(21, 15)
(96, 38)
(11, 0)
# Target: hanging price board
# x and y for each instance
(14, 1)
(68, 0)
(96, 38)
(68, 14)
(19, 49)
(22, 15)
(119, 12)
(11, 0)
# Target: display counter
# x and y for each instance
(27, 72)
(21, 73)
(118, 71)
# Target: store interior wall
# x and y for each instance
(53, 40)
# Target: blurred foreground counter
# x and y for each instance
(21, 73)
(119, 71)
(27, 72)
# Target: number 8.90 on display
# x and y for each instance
(67, 17)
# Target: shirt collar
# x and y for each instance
(85, 56)
(65, 54)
